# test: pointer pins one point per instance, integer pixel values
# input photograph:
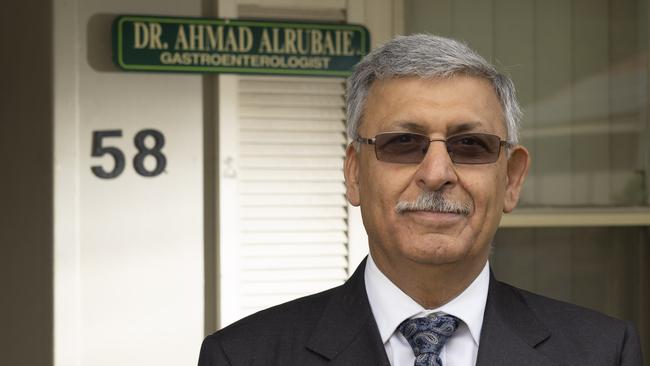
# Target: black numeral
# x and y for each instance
(98, 150)
(144, 151)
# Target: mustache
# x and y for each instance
(435, 201)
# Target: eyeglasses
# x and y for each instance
(411, 148)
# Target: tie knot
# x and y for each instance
(429, 334)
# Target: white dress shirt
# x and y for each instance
(390, 307)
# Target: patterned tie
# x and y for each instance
(428, 335)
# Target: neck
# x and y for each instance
(430, 285)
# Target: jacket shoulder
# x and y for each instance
(269, 331)
(581, 334)
(558, 314)
(287, 317)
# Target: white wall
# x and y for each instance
(128, 251)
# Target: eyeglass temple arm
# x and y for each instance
(365, 140)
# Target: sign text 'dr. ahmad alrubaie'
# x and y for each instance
(147, 43)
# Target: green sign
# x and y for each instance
(146, 43)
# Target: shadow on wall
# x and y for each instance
(99, 43)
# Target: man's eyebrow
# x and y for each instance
(463, 127)
(419, 128)
(409, 126)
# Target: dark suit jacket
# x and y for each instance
(336, 327)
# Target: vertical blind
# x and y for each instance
(292, 195)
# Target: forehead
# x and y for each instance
(433, 106)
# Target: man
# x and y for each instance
(433, 164)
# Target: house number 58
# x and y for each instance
(99, 149)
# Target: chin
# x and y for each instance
(437, 259)
(440, 252)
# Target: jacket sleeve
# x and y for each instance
(212, 353)
(631, 348)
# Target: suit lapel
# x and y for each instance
(511, 331)
(347, 331)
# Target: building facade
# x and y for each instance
(228, 196)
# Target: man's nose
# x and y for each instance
(436, 171)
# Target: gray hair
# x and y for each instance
(427, 56)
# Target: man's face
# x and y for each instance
(438, 108)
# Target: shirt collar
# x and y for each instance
(391, 306)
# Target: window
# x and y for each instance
(580, 233)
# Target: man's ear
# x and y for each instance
(518, 165)
(351, 172)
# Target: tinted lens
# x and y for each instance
(411, 148)
(474, 148)
(404, 148)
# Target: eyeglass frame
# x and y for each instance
(373, 141)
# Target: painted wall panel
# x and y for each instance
(137, 247)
